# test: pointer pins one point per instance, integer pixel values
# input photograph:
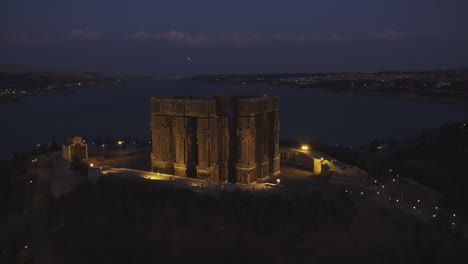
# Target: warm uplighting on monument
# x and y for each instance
(304, 147)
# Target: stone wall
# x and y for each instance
(228, 138)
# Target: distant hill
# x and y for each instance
(30, 78)
(17, 82)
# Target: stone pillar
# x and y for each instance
(162, 156)
(261, 139)
(222, 128)
(274, 123)
(246, 166)
(180, 136)
(207, 149)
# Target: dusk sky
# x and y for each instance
(243, 36)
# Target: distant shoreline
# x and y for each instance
(15, 100)
(409, 97)
(456, 101)
(8, 101)
(16, 82)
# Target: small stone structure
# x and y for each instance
(74, 148)
(229, 138)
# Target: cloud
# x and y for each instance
(142, 35)
(186, 38)
(289, 38)
(389, 34)
(78, 33)
(335, 37)
(239, 39)
(18, 38)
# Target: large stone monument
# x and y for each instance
(230, 138)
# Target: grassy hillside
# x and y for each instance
(437, 158)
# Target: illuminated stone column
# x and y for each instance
(205, 113)
(274, 124)
(161, 158)
(222, 127)
(246, 166)
(262, 138)
(207, 167)
(180, 136)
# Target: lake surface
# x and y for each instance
(124, 110)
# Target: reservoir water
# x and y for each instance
(124, 110)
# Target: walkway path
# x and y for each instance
(191, 183)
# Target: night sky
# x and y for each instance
(242, 36)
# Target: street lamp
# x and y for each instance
(120, 145)
(278, 181)
(304, 147)
(103, 151)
